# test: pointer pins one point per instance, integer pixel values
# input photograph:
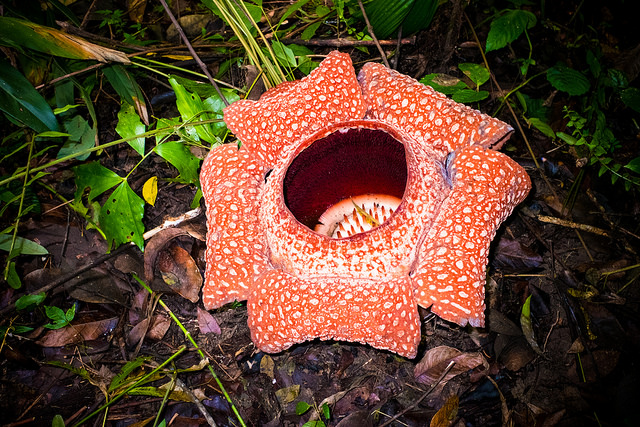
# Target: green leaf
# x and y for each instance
(631, 98)
(82, 137)
(477, 73)
(126, 370)
(419, 16)
(57, 421)
(30, 300)
(325, 411)
(568, 80)
(468, 96)
(96, 177)
(128, 89)
(567, 138)
(542, 127)
(215, 105)
(291, 10)
(59, 317)
(508, 27)
(634, 165)
(121, 217)
(310, 31)
(129, 125)
(192, 109)
(443, 83)
(21, 246)
(284, 55)
(386, 16)
(302, 407)
(21, 102)
(181, 158)
(13, 279)
(527, 328)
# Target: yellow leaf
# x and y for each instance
(150, 190)
(446, 414)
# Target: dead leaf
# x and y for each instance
(179, 270)
(447, 413)
(288, 394)
(435, 361)
(207, 323)
(267, 366)
(77, 333)
(515, 256)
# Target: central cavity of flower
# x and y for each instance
(347, 182)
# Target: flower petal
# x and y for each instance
(231, 182)
(285, 310)
(450, 273)
(293, 110)
(425, 114)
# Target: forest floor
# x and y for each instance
(581, 276)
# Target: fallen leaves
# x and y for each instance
(434, 365)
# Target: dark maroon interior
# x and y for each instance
(343, 165)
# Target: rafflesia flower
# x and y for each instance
(351, 202)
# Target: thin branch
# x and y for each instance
(195, 56)
(373, 36)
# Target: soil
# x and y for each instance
(574, 365)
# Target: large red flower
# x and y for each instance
(351, 201)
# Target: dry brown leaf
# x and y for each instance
(436, 360)
(447, 413)
(179, 270)
(74, 334)
(207, 323)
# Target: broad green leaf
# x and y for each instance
(386, 16)
(30, 300)
(568, 80)
(21, 246)
(310, 31)
(419, 16)
(128, 89)
(443, 83)
(82, 137)
(477, 73)
(508, 27)
(214, 106)
(121, 217)
(192, 109)
(302, 407)
(19, 33)
(631, 98)
(13, 279)
(181, 158)
(57, 421)
(21, 102)
(129, 125)
(567, 138)
(284, 54)
(468, 96)
(59, 318)
(634, 165)
(542, 127)
(96, 177)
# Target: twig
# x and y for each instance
(421, 398)
(574, 225)
(349, 42)
(195, 56)
(396, 57)
(373, 36)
